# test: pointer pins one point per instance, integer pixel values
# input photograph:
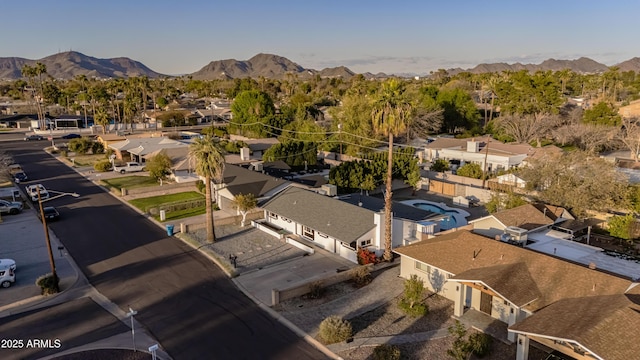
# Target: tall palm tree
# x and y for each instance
(389, 118)
(209, 163)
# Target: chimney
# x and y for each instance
(473, 146)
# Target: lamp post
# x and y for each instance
(130, 314)
(46, 234)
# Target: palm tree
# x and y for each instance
(209, 163)
(389, 117)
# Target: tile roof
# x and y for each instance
(527, 217)
(554, 278)
(335, 218)
(603, 324)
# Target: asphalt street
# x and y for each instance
(182, 298)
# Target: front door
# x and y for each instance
(485, 303)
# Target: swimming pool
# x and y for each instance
(455, 217)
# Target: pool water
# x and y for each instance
(447, 223)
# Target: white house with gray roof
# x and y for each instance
(139, 147)
(342, 225)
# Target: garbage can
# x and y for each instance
(170, 230)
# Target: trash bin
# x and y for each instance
(170, 230)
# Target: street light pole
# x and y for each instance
(130, 314)
(46, 234)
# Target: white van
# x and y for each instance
(7, 272)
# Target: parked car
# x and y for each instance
(20, 176)
(10, 207)
(33, 137)
(7, 272)
(72, 136)
(50, 213)
(32, 192)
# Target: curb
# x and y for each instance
(231, 275)
(313, 342)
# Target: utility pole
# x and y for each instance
(46, 234)
(340, 135)
(486, 156)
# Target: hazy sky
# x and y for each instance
(391, 36)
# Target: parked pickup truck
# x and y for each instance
(128, 167)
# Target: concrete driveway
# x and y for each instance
(285, 274)
(22, 239)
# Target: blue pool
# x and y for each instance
(448, 222)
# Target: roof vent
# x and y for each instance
(360, 203)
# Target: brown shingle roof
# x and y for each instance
(513, 281)
(527, 217)
(555, 279)
(602, 324)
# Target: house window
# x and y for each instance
(365, 243)
(422, 267)
(323, 235)
(273, 215)
(308, 232)
(350, 246)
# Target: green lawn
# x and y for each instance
(130, 182)
(181, 214)
(155, 201)
(87, 159)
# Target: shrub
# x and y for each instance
(200, 185)
(334, 329)
(80, 145)
(102, 166)
(316, 290)
(411, 302)
(386, 352)
(480, 344)
(48, 284)
(366, 257)
(97, 147)
(362, 276)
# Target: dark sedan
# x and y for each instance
(33, 137)
(72, 136)
(20, 176)
(50, 213)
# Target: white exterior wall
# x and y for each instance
(488, 226)
(499, 310)
(475, 298)
(436, 281)
(378, 238)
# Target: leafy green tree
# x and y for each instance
(411, 301)
(209, 163)
(459, 110)
(159, 166)
(245, 203)
(602, 114)
(295, 153)
(440, 165)
(460, 348)
(251, 109)
(500, 201)
(389, 117)
(80, 145)
(622, 227)
(471, 170)
(525, 93)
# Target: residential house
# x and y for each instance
(182, 165)
(343, 226)
(529, 218)
(491, 155)
(137, 148)
(512, 284)
(238, 180)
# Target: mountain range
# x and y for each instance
(67, 65)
